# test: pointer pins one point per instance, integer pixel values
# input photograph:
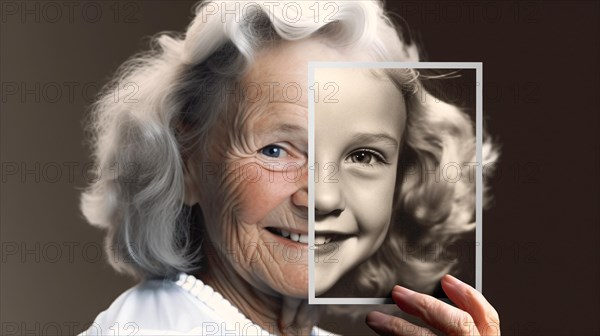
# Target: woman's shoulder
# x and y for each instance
(151, 306)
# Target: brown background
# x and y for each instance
(541, 98)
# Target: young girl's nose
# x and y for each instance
(329, 198)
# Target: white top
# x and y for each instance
(183, 307)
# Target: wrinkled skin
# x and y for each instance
(260, 190)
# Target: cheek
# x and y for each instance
(261, 191)
(372, 202)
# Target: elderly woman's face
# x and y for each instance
(257, 211)
(357, 142)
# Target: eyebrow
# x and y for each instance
(286, 129)
(291, 128)
(376, 137)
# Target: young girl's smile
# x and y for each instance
(357, 146)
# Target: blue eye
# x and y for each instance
(274, 151)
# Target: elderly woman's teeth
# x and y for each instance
(300, 238)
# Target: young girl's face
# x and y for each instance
(359, 122)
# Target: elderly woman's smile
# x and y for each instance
(260, 223)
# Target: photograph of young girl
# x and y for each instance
(395, 185)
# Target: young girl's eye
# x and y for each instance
(274, 151)
(366, 156)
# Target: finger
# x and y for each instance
(384, 324)
(440, 315)
(470, 300)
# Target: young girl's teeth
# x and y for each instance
(294, 236)
(320, 240)
(303, 239)
(285, 233)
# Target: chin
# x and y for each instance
(295, 283)
(333, 276)
(296, 292)
(323, 284)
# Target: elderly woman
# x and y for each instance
(194, 188)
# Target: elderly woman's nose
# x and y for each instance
(300, 197)
(329, 198)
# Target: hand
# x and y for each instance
(476, 315)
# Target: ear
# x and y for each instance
(191, 183)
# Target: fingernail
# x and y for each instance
(452, 280)
(401, 291)
(377, 320)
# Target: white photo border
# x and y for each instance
(312, 66)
